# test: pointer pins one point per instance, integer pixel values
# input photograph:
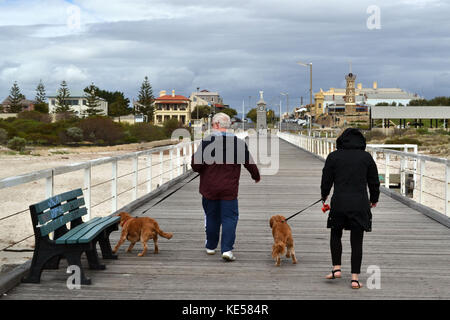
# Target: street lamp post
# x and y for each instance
(287, 104)
(197, 104)
(243, 115)
(310, 86)
(280, 116)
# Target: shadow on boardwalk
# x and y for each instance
(411, 250)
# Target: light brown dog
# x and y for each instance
(282, 238)
(139, 229)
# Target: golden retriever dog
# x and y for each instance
(282, 238)
(139, 229)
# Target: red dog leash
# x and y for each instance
(325, 208)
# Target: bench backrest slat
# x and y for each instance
(56, 200)
(60, 210)
(62, 220)
(54, 213)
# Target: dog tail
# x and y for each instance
(277, 249)
(166, 235)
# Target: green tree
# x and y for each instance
(41, 105)
(15, 97)
(118, 105)
(62, 99)
(203, 112)
(270, 116)
(171, 125)
(17, 144)
(229, 111)
(92, 101)
(252, 115)
(40, 92)
(146, 99)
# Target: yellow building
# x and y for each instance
(172, 107)
(354, 96)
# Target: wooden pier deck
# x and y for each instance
(411, 250)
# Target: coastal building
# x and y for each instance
(78, 104)
(27, 105)
(205, 97)
(334, 99)
(172, 106)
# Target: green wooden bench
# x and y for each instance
(52, 215)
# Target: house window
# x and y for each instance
(84, 102)
(53, 102)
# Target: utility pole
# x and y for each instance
(197, 105)
(243, 115)
(280, 116)
(310, 88)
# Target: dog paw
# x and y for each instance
(140, 254)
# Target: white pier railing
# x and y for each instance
(423, 178)
(108, 184)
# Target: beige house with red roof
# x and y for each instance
(172, 106)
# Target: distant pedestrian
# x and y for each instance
(218, 160)
(351, 169)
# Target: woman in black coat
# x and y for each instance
(351, 169)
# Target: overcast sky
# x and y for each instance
(234, 47)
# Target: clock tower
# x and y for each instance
(261, 114)
(350, 97)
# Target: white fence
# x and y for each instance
(108, 184)
(423, 178)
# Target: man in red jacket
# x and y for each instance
(218, 159)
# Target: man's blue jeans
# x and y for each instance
(217, 213)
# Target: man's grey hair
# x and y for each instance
(222, 119)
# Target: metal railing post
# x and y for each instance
(386, 170)
(87, 193)
(447, 190)
(161, 168)
(114, 187)
(135, 177)
(178, 161)
(170, 164)
(149, 173)
(402, 176)
(50, 186)
(422, 174)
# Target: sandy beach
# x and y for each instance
(17, 199)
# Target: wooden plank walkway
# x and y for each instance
(411, 250)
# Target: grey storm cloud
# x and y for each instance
(237, 48)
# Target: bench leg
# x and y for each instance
(93, 260)
(74, 258)
(37, 265)
(105, 245)
(53, 263)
